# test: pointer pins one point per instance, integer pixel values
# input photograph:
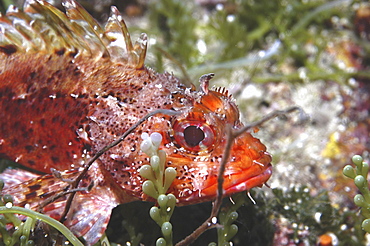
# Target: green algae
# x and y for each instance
(359, 175)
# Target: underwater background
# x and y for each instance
(270, 55)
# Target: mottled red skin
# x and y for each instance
(58, 110)
(40, 127)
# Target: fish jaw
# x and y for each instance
(238, 182)
(249, 166)
(205, 187)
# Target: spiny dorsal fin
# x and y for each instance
(223, 91)
(41, 27)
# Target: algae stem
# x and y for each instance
(50, 221)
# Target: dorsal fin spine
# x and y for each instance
(41, 27)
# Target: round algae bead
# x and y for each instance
(360, 200)
(155, 214)
(7, 198)
(170, 174)
(233, 216)
(30, 243)
(357, 160)
(360, 181)
(146, 146)
(146, 171)
(366, 225)
(156, 139)
(166, 229)
(162, 201)
(232, 231)
(171, 200)
(149, 189)
(144, 136)
(23, 239)
(349, 171)
(161, 242)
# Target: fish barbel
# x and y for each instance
(69, 87)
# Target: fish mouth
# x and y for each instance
(251, 182)
(233, 183)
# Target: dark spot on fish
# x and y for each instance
(14, 143)
(55, 159)
(73, 53)
(60, 52)
(25, 134)
(8, 49)
(34, 187)
(16, 125)
(33, 75)
(45, 195)
(76, 72)
(43, 122)
(66, 105)
(31, 195)
(29, 148)
(55, 119)
(87, 147)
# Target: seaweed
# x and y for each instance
(359, 176)
(312, 215)
(233, 30)
(23, 230)
(159, 179)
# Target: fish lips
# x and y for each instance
(233, 183)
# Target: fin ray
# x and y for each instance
(89, 214)
(41, 27)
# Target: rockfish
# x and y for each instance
(69, 87)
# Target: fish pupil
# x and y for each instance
(193, 135)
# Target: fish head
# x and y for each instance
(196, 144)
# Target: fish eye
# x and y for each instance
(194, 136)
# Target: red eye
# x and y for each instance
(194, 136)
